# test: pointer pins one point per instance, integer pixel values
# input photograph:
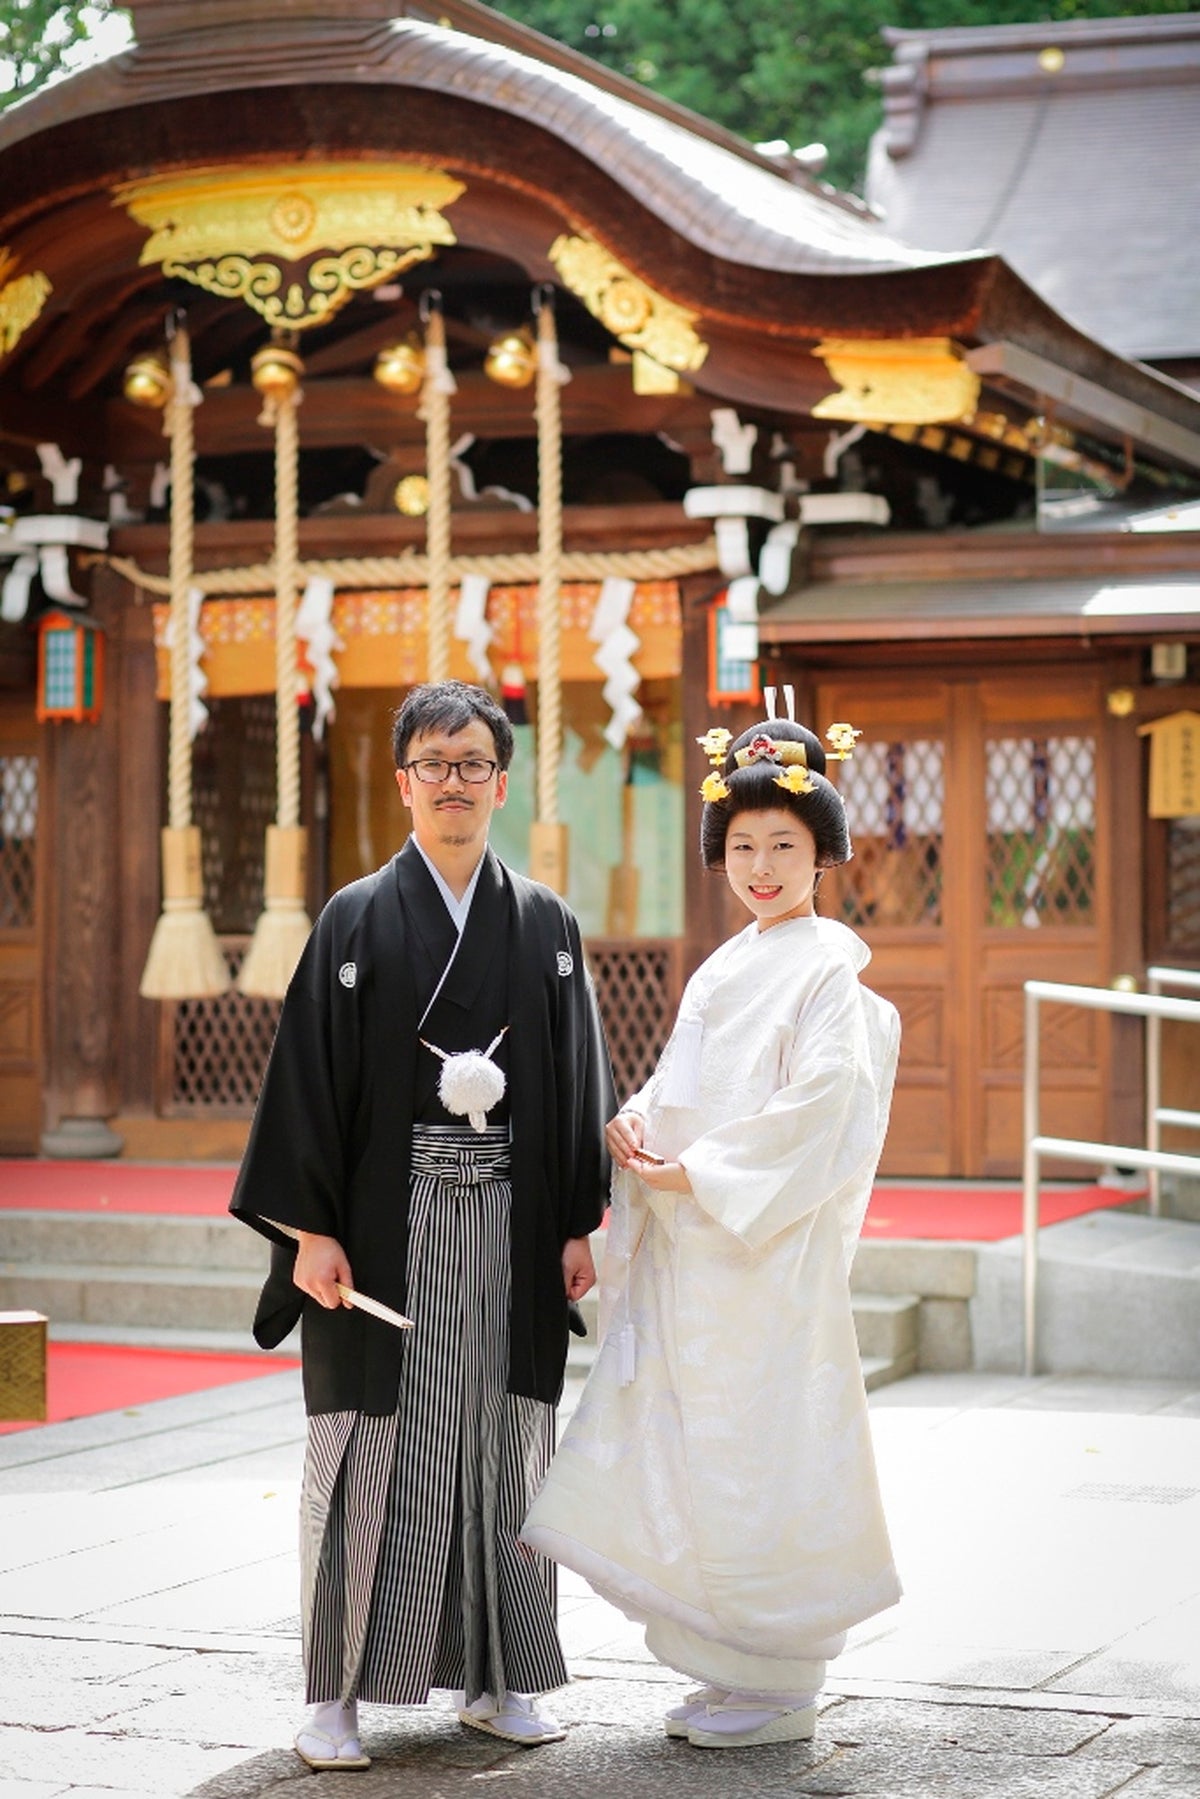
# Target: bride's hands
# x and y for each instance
(662, 1177)
(624, 1135)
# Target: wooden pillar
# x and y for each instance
(81, 966)
(141, 726)
(709, 909)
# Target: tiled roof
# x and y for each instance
(1073, 150)
(1090, 606)
(722, 202)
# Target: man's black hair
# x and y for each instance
(449, 706)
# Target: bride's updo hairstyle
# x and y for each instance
(752, 785)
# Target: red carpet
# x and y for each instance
(116, 1187)
(976, 1214)
(83, 1378)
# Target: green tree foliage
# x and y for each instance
(793, 69)
(37, 37)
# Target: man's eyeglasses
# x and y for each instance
(474, 770)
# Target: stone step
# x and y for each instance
(116, 1294)
(144, 1336)
(1118, 1295)
(880, 1371)
(886, 1324)
(129, 1239)
(191, 1283)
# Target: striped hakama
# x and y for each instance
(412, 1573)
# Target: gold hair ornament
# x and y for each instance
(841, 739)
(715, 744)
(786, 753)
(796, 780)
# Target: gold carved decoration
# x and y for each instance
(22, 298)
(905, 381)
(293, 240)
(642, 319)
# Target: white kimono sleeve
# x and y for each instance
(820, 1133)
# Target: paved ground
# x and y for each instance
(1048, 1646)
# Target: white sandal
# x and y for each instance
(326, 1752)
(741, 1721)
(692, 1708)
(514, 1717)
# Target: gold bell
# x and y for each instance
(276, 372)
(511, 360)
(147, 381)
(401, 367)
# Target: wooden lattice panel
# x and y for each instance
(895, 802)
(233, 802)
(638, 986)
(218, 1048)
(1041, 809)
(1183, 885)
(18, 841)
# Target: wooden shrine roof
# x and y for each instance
(1065, 147)
(543, 143)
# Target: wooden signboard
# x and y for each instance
(1174, 765)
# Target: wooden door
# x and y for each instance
(977, 807)
(20, 930)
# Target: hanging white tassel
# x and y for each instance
(470, 1084)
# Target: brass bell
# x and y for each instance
(276, 372)
(147, 381)
(512, 360)
(401, 367)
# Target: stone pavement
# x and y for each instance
(1048, 1646)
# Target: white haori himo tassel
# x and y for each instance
(681, 1081)
(470, 1084)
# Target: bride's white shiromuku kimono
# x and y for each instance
(717, 1482)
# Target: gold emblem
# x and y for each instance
(22, 298)
(294, 241)
(412, 496)
(905, 381)
(632, 311)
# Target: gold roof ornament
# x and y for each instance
(294, 241)
(897, 381)
(636, 315)
(22, 298)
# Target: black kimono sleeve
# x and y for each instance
(293, 1170)
(594, 1102)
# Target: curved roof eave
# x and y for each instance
(712, 198)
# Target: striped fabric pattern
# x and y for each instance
(412, 1573)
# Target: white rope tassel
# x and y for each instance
(184, 960)
(283, 924)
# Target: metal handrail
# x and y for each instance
(1156, 1113)
(1094, 999)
